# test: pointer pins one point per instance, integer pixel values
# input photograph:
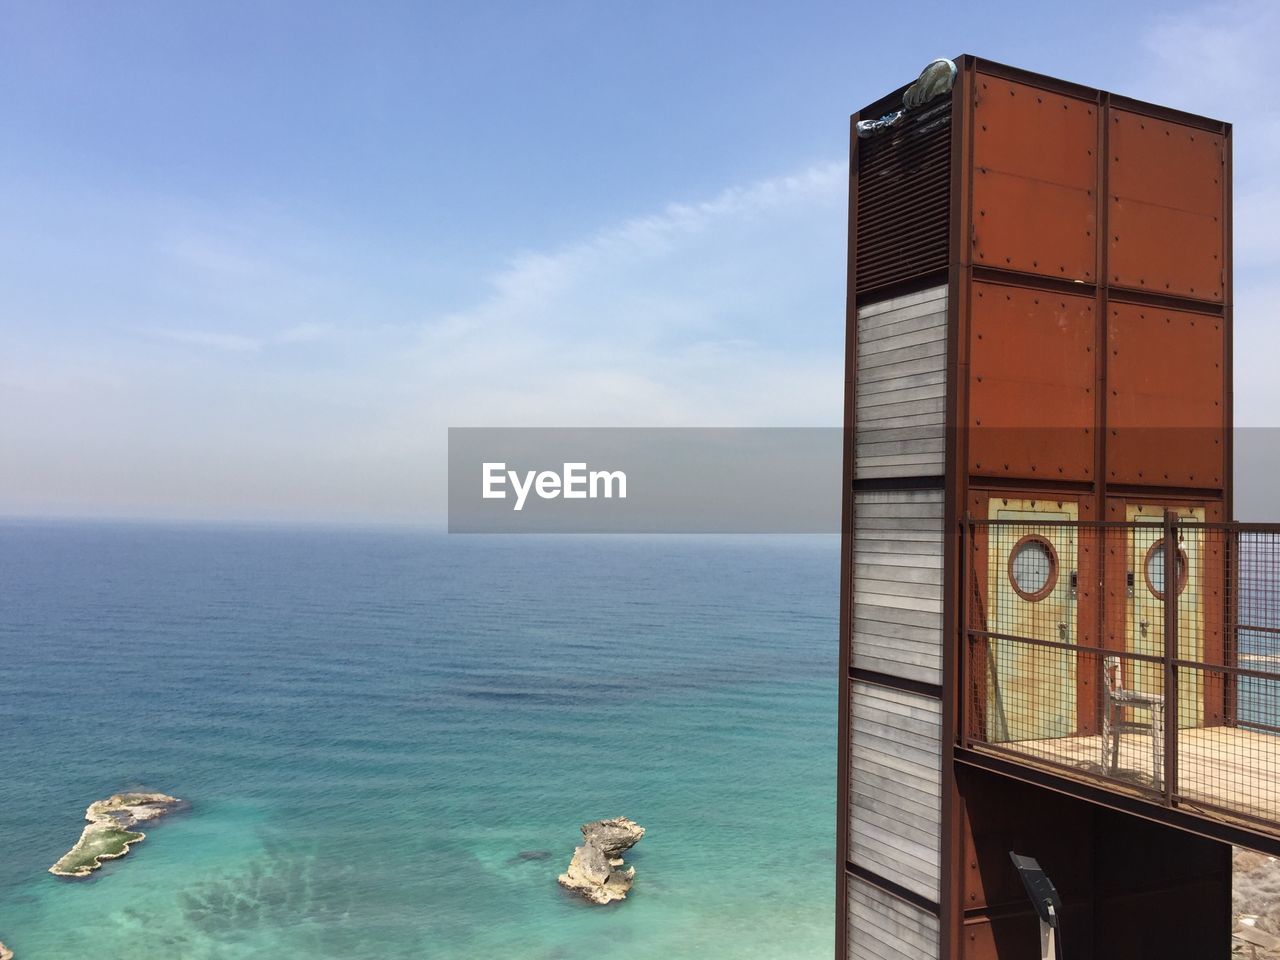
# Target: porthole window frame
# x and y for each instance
(1050, 582)
(1183, 568)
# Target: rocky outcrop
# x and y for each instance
(110, 832)
(614, 837)
(1255, 890)
(5, 953)
(597, 871)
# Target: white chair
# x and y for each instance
(1115, 697)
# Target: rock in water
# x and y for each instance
(595, 870)
(614, 837)
(591, 874)
(109, 833)
(5, 953)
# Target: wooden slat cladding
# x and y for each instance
(901, 376)
(897, 586)
(895, 786)
(882, 927)
(904, 189)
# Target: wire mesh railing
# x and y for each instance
(1143, 654)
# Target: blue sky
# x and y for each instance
(258, 257)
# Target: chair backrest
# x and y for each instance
(1111, 674)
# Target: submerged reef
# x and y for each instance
(595, 870)
(109, 833)
(286, 886)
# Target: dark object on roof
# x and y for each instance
(934, 80)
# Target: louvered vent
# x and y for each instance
(904, 182)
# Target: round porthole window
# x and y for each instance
(1153, 569)
(1033, 568)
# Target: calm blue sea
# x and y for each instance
(372, 728)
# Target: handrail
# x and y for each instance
(1208, 646)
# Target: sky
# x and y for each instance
(258, 257)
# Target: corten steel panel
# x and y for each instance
(1177, 903)
(1034, 180)
(1165, 207)
(1165, 417)
(1008, 935)
(1130, 888)
(1004, 815)
(1031, 386)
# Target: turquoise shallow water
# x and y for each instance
(372, 727)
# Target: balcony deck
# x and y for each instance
(1229, 771)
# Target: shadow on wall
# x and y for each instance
(1130, 888)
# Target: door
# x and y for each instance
(1144, 613)
(1031, 688)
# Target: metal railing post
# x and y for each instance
(1171, 584)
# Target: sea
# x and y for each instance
(388, 741)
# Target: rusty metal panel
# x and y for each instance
(1002, 815)
(1165, 419)
(1165, 207)
(1113, 871)
(1031, 400)
(1035, 180)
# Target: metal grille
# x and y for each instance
(904, 189)
(1143, 654)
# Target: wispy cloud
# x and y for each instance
(720, 311)
(230, 342)
(298, 333)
